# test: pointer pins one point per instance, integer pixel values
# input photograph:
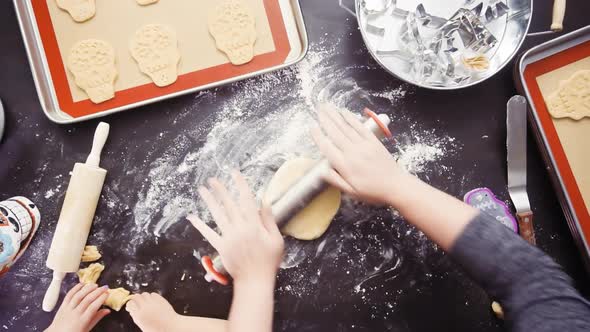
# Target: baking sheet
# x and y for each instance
(116, 22)
(573, 134)
(563, 142)
(282, 42)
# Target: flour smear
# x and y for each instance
(241, 138)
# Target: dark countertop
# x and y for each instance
(416, 287)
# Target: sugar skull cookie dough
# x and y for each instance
(572, 99)
(155, 48)
(79, 10)
(233, 27)
(92, 62)
(146, 2)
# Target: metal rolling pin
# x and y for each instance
(299, 195)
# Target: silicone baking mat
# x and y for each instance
(116, 22)
(567, 139)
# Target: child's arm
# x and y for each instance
(365, 169)
(251, 248)
(535, 294)
(80, 310)
(151, 312)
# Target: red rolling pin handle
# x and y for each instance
(218, 273)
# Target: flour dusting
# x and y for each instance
(242, 136)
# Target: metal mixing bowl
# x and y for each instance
(510, 31)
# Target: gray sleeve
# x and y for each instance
(535, 294)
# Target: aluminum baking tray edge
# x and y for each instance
(46, 92)
(537, 53)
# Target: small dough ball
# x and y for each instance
(117, 298)
(497, 309)
(146, 2)
(90, 274)
(311, 222)
(90, 254)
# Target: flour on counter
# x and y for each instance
(242, 136)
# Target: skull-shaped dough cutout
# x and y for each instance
(92, 62)
(146, 2)
(79, 10)
(572, 100)
(155, 48)
(233, 27)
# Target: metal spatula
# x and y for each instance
(516, 125)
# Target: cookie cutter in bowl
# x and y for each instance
(507, 20)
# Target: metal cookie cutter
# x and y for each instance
(299, 195)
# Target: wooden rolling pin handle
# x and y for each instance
(558, 15)
(52, 294)
(100, 138)
(525, 227)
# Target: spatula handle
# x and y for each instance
(525, 227)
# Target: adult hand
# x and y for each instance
(80, 310)
(361, 164)
(250, 244)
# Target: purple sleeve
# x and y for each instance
(535, 294)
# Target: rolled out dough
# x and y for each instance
(311, 222)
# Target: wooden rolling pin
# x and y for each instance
(76, 217)
(558, 15)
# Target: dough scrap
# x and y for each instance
(233, 26)
(572, 99)
(92, 62)
(79, 10)
(90, 254)
(155, 48)
(146, 2)
(311, 222)
(497, 309)
(117, 298)
(90, 274)
(478, 62)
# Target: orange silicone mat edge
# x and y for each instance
(149, 91)
(531, 73)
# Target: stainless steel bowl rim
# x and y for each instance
(443, 88)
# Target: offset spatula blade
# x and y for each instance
(516, 125)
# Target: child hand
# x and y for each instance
(151, 312)
(80, 310)
(363, 166)
(251, 246)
